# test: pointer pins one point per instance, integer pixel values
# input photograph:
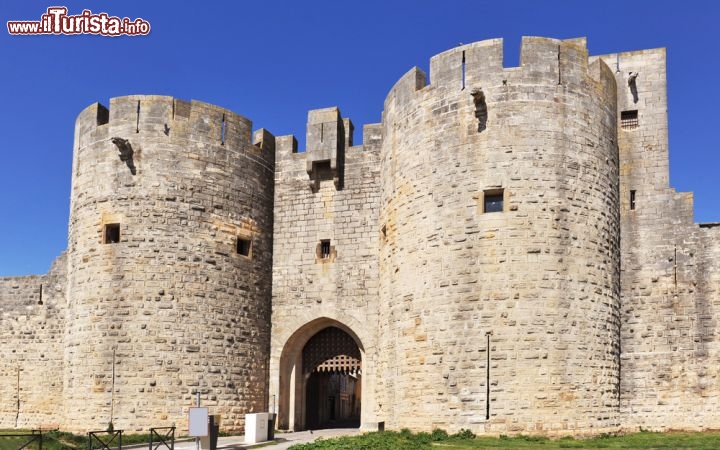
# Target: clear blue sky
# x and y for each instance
(272, 61)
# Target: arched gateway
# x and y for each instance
(320, 377)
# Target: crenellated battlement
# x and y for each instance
(164, 116)
(328, 137)
(468, 63)
(543, 61)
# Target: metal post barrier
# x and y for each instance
(166, 438)
(95, 436)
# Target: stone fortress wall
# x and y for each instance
(591, 284)
(670, 334)
(32, 317)
(157, 292)
(330, 192)
(541, 276)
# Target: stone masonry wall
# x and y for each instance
(311, 293)
(670, 284)
(32, 318)
(542, 275)
(174, 303)
(596, 292)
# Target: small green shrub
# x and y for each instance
(438, 435)
(527, 438)
(422, 438)
(463, 435)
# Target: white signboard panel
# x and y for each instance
(198, 423)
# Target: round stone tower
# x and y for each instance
(499, 231)
(170, 255)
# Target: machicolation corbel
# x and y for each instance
(632, 76)
(480, 108)
(126, 152)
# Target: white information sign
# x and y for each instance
(198, 423)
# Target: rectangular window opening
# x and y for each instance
(629, 120)
(111, 233)
(493, 201)
(325, 248)
(632, 200)
(243, 246)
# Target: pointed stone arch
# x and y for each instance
(292, 379)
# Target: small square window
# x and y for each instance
(111, 233)
(243, 246)
(325, 248)
(493, 201)
(629, 120)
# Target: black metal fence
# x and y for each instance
(104, 440)
(19, 441)
(164, 436)
(161, 438)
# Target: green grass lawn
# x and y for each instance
(439, 440)
(8, 442)
(57, 440)
(51, 440)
